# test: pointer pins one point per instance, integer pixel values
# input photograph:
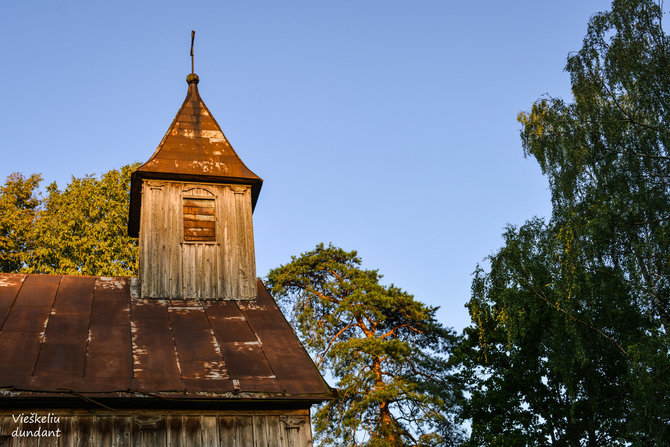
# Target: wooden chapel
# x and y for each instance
(193, 352)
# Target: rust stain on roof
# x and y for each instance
(94, 336)
(193, 149)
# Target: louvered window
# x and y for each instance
(199, 220)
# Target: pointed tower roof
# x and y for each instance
(193, 149)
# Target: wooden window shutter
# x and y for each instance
(199, 220)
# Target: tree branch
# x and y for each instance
(392, 331)
(626, 114)
(321, 356)
(643, 155)
(572, 317)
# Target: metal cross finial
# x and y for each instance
(192, 39)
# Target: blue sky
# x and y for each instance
(388, 127)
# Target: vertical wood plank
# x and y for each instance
(156, 240)
(218, 291)
(28, 441)
(198, 273)
(182, 269)
(167, 242)
(85, 431)
(49, 441)
(207, 271)
(245, 274)
(240, 256)
(208, 253)
(185, 283)
(159, 436)
(230, 253)
(245, 431)
(192, 272)
(195, 271)
(210, 434)
(16, 441)
(222, 239)
(175, 431)
(306, 434)
(275, 432)
(243, 255)
(136, 436)
(123, 427)
(227, 431)
(249, 245)
(153, 242)
(92, 422)
(158, 258)
(261, 430)
(105, 431)
(6, 428)
(293, 437)
(210, 265)
(207, 268)
(69, 428)
(143, 242)
(163, 242)
(192, 431)
(174, 236)
(234, 251)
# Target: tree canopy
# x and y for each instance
(386, 350)
(571, 338)
(81, 229)
(18, 208)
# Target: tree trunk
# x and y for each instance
(386, 425)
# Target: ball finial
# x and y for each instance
(192, 78)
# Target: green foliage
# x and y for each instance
(550, 361)
(81, 230)
(18, 208)
(570, 344)
(387, 351)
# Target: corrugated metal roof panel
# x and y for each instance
(198, 351)
(9, 288)
(63, 346)
(155, 366)
(109, 354)
(92, 336)
(280, 345)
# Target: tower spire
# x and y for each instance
(192, 39)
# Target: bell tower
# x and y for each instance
(191, 207)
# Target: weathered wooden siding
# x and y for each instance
(156, 429)
(171, 267)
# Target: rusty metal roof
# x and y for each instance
(193, 149)
(94, 336)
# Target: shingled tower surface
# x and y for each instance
(194, 351)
